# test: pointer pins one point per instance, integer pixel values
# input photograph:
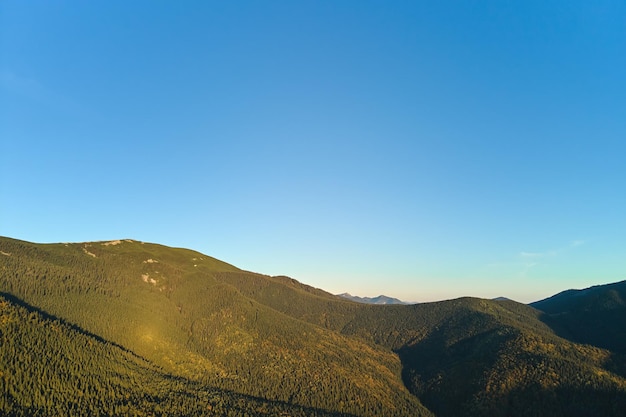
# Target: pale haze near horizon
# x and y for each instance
(421, 150)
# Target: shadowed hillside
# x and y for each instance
(188, 319)
(596, 315)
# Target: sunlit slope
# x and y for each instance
(293, 298)
(50, 368)
(167, 306)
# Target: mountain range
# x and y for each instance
(131, 328)
(381, 299)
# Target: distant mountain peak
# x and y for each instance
(381, 299)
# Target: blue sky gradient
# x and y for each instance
(425, 150)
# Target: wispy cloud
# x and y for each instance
(34, 91)
(521, 263)
(529, 260)
(530, 255)
(23, 86)
(532, 259)
(575, 243)
(551, 253)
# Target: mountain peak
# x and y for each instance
(381, 299)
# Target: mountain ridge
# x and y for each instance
(380, 299)
(274, 340)
(172, 307)
(593, 315)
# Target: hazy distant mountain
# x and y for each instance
(132, 328)
(381, 299)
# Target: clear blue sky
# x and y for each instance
(421, 149)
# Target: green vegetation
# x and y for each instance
(131, 328)
(594, 316)
(473, 357)
(167, 306)
(48, 368)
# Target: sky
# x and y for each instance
(424, 150)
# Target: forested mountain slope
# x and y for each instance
(469, 356)
(595, 315)
(190, 319)
(51, 368)
(167, 306)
